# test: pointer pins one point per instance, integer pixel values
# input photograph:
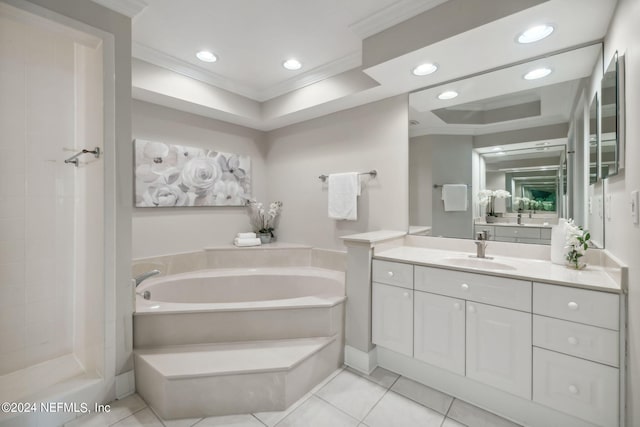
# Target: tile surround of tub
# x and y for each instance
(274, 254)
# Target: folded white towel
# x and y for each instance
(246, 242)
(454, 197)
(499, 205)
(344, 189)
(246, 235)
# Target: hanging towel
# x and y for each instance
(454, 197)
(344, 189)
(246, 242)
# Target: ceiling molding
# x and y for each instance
(130, 8)
(161, 59)
(391, 15)
(330, 69)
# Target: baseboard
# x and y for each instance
(360, 360)
(125, 384)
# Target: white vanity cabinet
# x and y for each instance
(439, 331)
(499, 348)
(392, 306)
(557, 347)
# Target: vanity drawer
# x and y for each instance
(545, 233)
(578, 305)
(578, 387)
(500, 291)
(576, 339)
(518, 232)
(392, 273)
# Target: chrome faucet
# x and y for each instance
(481, 245)
(144, 276)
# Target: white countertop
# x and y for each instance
(591, 277)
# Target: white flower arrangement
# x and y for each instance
(577, 243)
(264, 221)
(521, 202)
(487, 197)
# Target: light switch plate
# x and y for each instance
(635, 209)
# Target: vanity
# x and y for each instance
(532, 341)
(515, 233)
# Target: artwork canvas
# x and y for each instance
(178, 175)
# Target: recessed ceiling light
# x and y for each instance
(450, 94)
(497, 148)
(413, 122)
(292, 64)
(535, 34)
(424, 69)
(502, 153)
(206, 56)
(538, 73)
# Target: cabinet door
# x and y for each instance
(439, 331)
(392, 318)
(499, 348)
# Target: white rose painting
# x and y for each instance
(177, 175)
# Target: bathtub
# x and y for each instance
(223, 305)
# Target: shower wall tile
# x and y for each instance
(12, 251)
(12, 229)
(11, 207)
(12, 273)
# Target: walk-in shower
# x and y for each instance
(52, 288)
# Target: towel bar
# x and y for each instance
(373, 174)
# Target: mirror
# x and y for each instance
(594, 138)
(501, 133)
(609, 146)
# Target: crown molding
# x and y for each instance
(161, 59)
(330, 69)
(317, 74)
(129, 8)
(391, 15)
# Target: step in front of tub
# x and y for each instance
(233, 378)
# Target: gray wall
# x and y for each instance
(373, 136)
(451, 165)
(194, 228)
(420, 183)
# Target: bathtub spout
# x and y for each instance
(144, 276)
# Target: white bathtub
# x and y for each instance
(222, 305)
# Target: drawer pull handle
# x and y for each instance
(390, 273)
(464, 287)
(573, 340)
(405, 294)
(471, 309)
(572, 305)
(456, 305)
(573, 389)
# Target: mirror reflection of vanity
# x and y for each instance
(506, 132)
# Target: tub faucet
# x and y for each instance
(144, 276)
(481, 245)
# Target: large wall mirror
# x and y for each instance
(505, 135)
(611, 145)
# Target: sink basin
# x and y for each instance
(478, 263)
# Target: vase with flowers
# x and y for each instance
(264, 221)
(488, 198)
(577, 244)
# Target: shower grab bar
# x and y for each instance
(74, 159)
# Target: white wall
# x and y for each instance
(164, 231)
(420, 183)
(373, 136)
(622, 237)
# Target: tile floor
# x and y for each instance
(345, 398)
